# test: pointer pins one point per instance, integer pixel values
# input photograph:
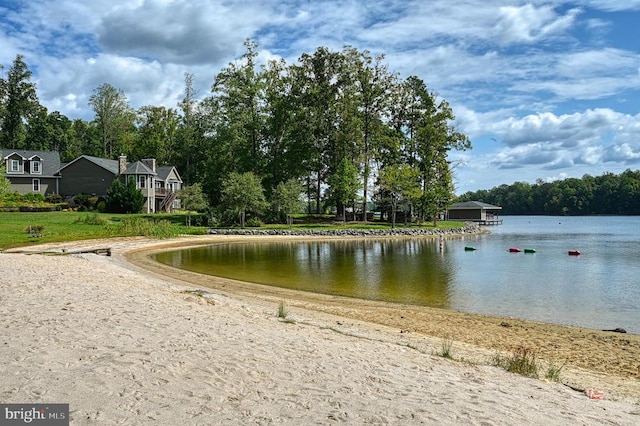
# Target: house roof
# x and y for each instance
(164, 171)
(474, 205)
(136, 168)
(110, 165)
(50, 160)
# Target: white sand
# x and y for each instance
(125, 347)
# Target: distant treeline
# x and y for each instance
(606, 194)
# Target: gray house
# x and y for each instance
(41, 171)
(93, 175)
(32, 171)
(476, 211)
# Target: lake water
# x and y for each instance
(598, 289)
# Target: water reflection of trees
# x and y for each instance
(397, 270)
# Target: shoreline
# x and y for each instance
(592, 358)
(164, 337)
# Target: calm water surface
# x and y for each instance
(598, 289)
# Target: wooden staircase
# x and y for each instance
(167, 201)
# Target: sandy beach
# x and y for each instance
(126, 341)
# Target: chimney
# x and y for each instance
(122, 164)
(150, 163)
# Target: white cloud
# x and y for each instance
(527, 24)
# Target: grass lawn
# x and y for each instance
(69, 226)
(62, 226)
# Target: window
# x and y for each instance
(143, 181)
(15, 165)
(35, 167)
(36, 185)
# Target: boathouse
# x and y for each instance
(476, 211)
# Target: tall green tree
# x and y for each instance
(242, 193)
(373, 85)
(318, 84)
(114, 119)
(344, 184)
(157, 129)
(84, 139)
(187, 132)
(18, 104)
(402, 184)
(429, 134)
(286, 198)
(192, 199)
(285, 153)
(238, 101)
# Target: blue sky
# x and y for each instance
(544, 89)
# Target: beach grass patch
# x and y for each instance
(553, 371)
(446, 348)
(522, 360)
(282, 310)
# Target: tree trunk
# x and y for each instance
(364, 192)
(394, 205)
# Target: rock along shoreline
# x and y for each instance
(469, 228)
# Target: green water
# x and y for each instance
(599, 289)
(406, 271)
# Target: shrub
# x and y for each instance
(123, 198)
(33, 197)
(81, 201)
(54, 199)
(254, 222)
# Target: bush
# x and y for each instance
(54, 199)
(254, 222)
(33, 197)
(85, 202)
(123, 198)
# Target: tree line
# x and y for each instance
(338, 123)
(615, 194)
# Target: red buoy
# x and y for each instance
(514, 250)
(574, 252)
